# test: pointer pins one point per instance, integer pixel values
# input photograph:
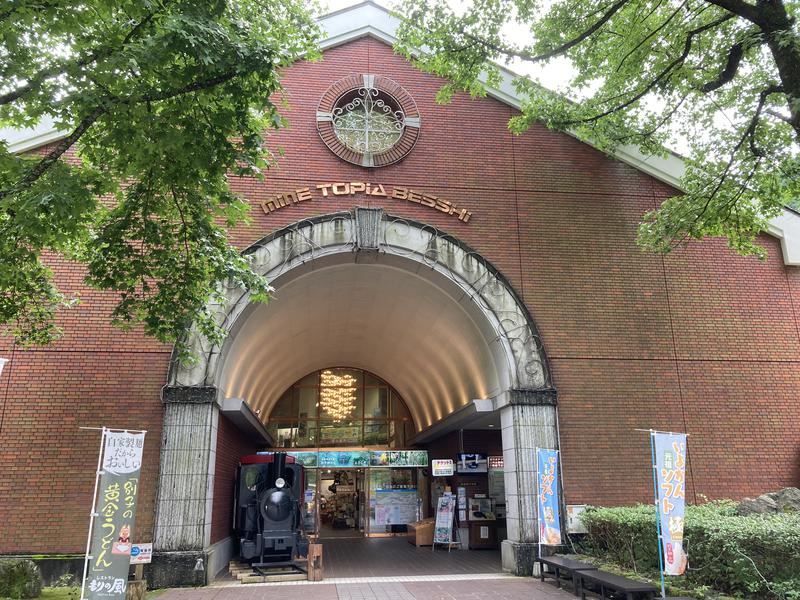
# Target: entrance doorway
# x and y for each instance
(342, 503)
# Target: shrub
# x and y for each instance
(20, 578)
(752, 556)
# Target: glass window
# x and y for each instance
(283, 432)
(339, 433)
(399, 410)
(307, 399)
(371, 380)
(285, 407)
(312, 379)
(340, 407)
(376, 433)
(376, 402)
(306, 434)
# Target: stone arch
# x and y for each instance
(371, 234)
(505, 345)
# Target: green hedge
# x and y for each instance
(755, 556)
(20, 578)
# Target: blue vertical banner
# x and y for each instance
(547, 502)
(670, 465)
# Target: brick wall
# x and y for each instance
(231, 446)
(701, 340)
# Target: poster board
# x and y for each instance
(443, 530)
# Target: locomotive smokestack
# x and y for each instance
(280, 464)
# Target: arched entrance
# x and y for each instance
(395, 297)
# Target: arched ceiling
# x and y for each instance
(415, 332)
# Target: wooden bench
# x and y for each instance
(609, 584)
(559, 564)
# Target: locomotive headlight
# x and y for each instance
(280, 482)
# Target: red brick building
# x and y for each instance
(455, 262)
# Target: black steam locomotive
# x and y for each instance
(269, 510)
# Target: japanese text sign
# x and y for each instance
(547, 502)
(670, 455)
(110, 548)
(442, 467)
(443, 532)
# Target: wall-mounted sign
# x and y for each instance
(496, 462)
(141, 554)
(364, 188)
(307, 459)
(574, 523)
(343, 459)
(398, 458)
(497, 484)
(442, 467)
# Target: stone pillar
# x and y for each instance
(185, 489)
(528, 421)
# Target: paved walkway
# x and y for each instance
(389, 557)
(489, 587)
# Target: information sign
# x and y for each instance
(398, 458)
(342, 459)
(307, 459)
(141, 554)
(442, 467)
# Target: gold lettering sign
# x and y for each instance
(352, 188)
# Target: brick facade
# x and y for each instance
(231, 445)
(701, 340)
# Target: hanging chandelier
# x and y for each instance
(337, 394)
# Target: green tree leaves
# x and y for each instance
(163, 100)
(720, 78)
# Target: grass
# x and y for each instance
(73, 593)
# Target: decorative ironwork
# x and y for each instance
(369, 122)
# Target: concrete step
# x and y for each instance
(273, 578)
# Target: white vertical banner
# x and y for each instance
(3, 362)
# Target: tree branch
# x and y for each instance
(195, 86)
(739, 8)
(735, 55)
(651, 34)
(750, 132)
(559, 50)
(51, 157)
(687, 47)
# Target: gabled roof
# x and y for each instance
(371, 19)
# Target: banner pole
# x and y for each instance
(658, 513)
(538, 508)
(94, 509)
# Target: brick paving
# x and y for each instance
(495, 588)
(390, 557)
(389, 569)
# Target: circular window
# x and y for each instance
(368, 120)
